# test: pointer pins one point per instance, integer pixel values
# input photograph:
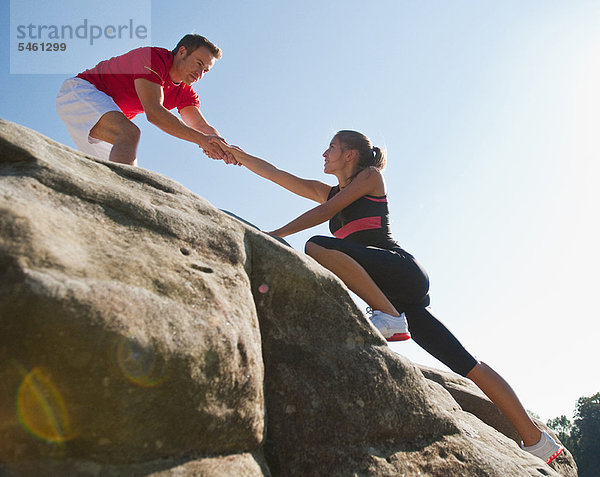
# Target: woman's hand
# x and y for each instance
(233, 151)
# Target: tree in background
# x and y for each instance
(563, 427)
(582, 437)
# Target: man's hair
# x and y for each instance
(192, 42)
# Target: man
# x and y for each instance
(97, 106)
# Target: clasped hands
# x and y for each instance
(218, 149)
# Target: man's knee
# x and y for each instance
(133, 132)
(115, 127)
(128, 133)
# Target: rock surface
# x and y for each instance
(144, 332)
(471, 399)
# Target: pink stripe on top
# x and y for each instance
(366, 223)
(376, 199)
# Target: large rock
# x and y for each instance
(471, 399)
(127, 324)
(144, 332)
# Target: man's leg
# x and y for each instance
(83, 108)
(113, 127)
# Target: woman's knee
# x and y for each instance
(317, 251)
(318, 242)
(311, 248)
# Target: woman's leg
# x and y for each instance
(503, 396)
(353, 275)
(431, 334)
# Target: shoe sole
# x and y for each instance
(555, 455)
(399, 337)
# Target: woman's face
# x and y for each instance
(333, 157)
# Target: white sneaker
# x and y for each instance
(393, 328)
(546, 449)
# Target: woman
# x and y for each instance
(364, 256)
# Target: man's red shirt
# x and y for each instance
(116, 76)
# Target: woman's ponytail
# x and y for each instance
(368, 155)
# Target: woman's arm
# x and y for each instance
(365, 183)
(311, 189)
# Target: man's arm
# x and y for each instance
(192, 116)
(151, 97)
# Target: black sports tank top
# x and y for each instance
(366, 221)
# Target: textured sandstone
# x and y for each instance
(137, 337)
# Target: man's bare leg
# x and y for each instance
(114, 128)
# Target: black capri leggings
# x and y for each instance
(406, 284)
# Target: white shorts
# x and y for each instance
(80, 105)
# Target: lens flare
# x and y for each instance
(264, 288)
(42, 409)
(140, 364)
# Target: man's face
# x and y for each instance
(189, 68)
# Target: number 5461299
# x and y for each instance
(48, 46)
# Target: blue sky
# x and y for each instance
(489, 112)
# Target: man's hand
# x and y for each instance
(218, 143)
(216, 148)
(193, 128)
(212, 147)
